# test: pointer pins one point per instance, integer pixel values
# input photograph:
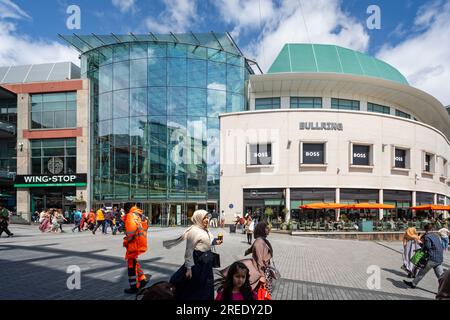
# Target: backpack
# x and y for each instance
(162, 290)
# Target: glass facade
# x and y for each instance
(155, 108)
(53, 156)
(53, 110)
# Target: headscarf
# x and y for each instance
(411, 234)
(197, 220)
(444, 286)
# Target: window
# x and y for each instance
(401, 158)
(260, 154)
(53, 156)
(267, 103)
(428, 162)
(53, 110)
(444, 172)
(361, 155)
(306, 103)
(343, 104)
(402, 114)
(372, 107)
(313, 153)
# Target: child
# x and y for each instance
(237, 284)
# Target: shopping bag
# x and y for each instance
(419, 258)
(263, 293)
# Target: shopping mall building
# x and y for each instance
(179, 122)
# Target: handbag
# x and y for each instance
(263, 293)
(273, 271)
(419, 258)
(216, 258)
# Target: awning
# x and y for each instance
(323, 205)
(368, 205)
(431, 207)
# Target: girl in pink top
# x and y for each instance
(237, 284)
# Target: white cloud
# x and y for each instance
(424, 58)
(325, 22)
(124, 5)
(178, 16)
(18, 49)
(9, 9)
(245, 14)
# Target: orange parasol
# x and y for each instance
(431, 207)
(323, 205)
(368, 205)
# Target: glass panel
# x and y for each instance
(53, 143)
(176, 50)
(105, 106)
(36, 120)
(157, 101)
(71, 96)
(157, 50)
(71, 119)
(176, 101)
(216, 55)
(235, 79)
(122, 161)
(105, 55)
(71, 151)
(216, 102)
(235, 102)
(121, 132)
(54, 97)
(121, 104)
(176, 72)
(47, 120)
(216, 75)
(313, 153)
(121, 52)
(36, 98)
(36, 152)
(35, 106)
(157, 72)
(196, 73)
(196, 102)
(53, 152)
(71, 165)
(196, 52)
(121, 75)
(138, 73)
(71, 105)
(138, 50)
(52, 106)
(138, 102)
(105, 78)
(35, 165)
(361, 155)
(60, 119)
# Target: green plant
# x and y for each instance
(268, 212)
(284, 226)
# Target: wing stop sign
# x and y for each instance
(57, 180)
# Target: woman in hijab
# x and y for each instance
(195, 280)
(444, 287)
(262, 253)
(411, 243)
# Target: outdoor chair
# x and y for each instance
(315, 227)
(308, 226)
(322, 227)
(302, 227)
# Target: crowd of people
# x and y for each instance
(52, 220)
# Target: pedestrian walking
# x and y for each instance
(91, 220)
(109, 221)
(411, 243)
(237, 284)
(45, 221)
(60, 218)
(214, 219)
(4, 221)
(444, 233)
(249, 227)
(100, 218)
(194, 280)
(135, 242)
(83, 221)
(77, 217)
(119, 224)
(432, 246)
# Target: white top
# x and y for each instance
(444, 232)
(196, 239)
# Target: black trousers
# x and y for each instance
(249, 238)
(4, 227)
(100, 223)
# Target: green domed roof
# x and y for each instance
(322, 58)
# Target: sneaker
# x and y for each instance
(409, 284)
(131, 290)
(9, 236)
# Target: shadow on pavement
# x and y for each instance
(396, 272)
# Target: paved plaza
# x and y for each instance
(35, 265)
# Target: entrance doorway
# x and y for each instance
(59, 198)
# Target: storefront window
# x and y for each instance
(373, 107)
(53, 156)
(53, 110)
(267, 103)
(344, 104)
(313, 153)
(260, 154)
(361, 155)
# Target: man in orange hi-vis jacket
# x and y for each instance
(135, 241)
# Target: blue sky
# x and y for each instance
(29, 28)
